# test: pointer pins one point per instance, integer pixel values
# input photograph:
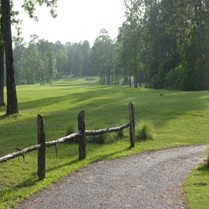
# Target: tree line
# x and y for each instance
(41, 61)
(161, 44)
(166, 43)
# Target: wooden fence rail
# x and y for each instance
(80, 136)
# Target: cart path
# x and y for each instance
(152, 180)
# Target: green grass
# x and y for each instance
(179, 118)
(196, 188)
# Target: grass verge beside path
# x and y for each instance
(196, 188)
(179, 118)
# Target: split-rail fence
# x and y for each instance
(80, 136)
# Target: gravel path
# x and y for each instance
(152, 180)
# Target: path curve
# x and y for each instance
(152, 180)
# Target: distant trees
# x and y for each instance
(79, 58)
(161, 44)
(102, 54)
(42, 61)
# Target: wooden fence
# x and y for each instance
(80, 136)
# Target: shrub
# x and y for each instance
(144, 131)
(98, 139)
(120, 134)
(102, 139)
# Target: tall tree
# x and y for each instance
(1, 64)
(125, 44)
(133, 31)
(12, 105)
(63, 65)
(102, 56)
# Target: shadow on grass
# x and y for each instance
(148, 102)
(33, 180)
(2, 117)
(62, 165)
(15, 115)
(204, 168)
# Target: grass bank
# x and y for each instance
(178, 118)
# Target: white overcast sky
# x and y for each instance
(77, 20)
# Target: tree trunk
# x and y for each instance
(130, 80)
(136, 79)
(12, 106)
(125, 77)
(1, 65)
(1, 74)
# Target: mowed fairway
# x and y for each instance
(179, 118)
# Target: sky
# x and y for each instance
(77, 20)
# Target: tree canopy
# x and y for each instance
(171, 40)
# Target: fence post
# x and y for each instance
(132, 124)
(41, 150)
(81, 138)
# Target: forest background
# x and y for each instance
(161, 44)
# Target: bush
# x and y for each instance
(98, 139)
(171, 79)
(120, 134)
(144, 131)
(102, 138)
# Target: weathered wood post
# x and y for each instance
(132, 124)
(81, 137)
(41, 150)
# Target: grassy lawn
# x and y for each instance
(196, 188)
(179, 118)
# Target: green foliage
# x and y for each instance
(144, 131)
(120, 134)
(43, 62)
(106, 138)
(98, 139)
(30, 6)
(102, 55)
(164, 44)
(162, 35)
(177, 78)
